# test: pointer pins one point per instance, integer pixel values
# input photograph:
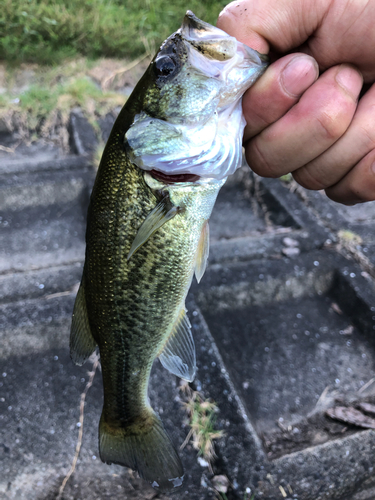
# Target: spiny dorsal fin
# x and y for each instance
(82, 343)
(178, 355)
(163, 212)
(202, 252)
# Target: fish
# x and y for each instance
(175, 142)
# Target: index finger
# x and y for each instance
(281, 24)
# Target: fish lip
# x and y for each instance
(173, 179)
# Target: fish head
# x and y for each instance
(190, 118)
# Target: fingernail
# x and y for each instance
(299, 74)
(350, 79)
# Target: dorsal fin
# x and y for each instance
(163, 212)
(82, 343)
(202, 252)
(178, 355)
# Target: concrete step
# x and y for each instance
(283, 325)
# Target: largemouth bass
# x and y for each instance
(171, 149)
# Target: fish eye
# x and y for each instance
(164, 66)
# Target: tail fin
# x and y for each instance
(145, 447)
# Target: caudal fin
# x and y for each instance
(144, 447)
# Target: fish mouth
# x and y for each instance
(173, 179)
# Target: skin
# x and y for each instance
(313, 112)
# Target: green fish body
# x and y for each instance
(147, 233)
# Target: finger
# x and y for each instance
(277, 91)
(339, 159)
(309, 128)
(330, 31)
(358, 185)
(283, 24)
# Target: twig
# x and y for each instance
(6, 149)
(80, 433)
(133, 64)
(322, 396)
(74, 290)
(186, 439)
(371, 381)
(58, 294)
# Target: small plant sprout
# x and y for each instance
(202, 417)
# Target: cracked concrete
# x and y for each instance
(283, 322)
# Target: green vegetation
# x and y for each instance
(49, 31)
(202, 417)
(43, 107)
(55, 45)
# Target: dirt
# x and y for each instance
(314, 430)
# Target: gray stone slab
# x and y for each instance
(358, 219)
(48, 240)
(242, 214)
(82, 136)
(295, 336)
(281, 201)
(43, 218)
(277, 319)
(39, 283)
(40, 391)
(21, 155)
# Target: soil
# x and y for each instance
(316, 429)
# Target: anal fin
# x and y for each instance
(202, 252)
(82, 343)
(162, 213)
(178, 355)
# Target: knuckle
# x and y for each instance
(332, 125)
(258, 162)
(369, 134)
(309, 179)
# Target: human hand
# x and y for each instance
(313, 126)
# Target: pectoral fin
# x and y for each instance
(82, 343)
(162, 213)
(178, 355)
(202, 252)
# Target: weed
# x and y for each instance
(222, 496)
(349, 237)
(202, 416)
(287, 178)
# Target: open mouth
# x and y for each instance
(173, 179)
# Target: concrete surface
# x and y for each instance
(283, 321)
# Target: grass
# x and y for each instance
(202, 417)
(65, 37)
(43, 107)
(49, 31)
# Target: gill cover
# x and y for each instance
(196, 124)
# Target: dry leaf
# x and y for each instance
(335, 307)
(367, 408)
(351, 416)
